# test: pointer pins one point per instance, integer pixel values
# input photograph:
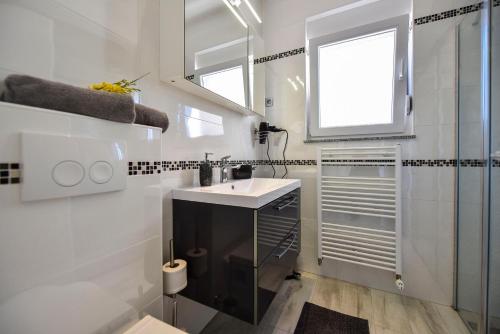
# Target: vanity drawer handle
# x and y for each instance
(290, 199)
(280, 255)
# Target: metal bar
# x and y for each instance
(273, 229)
(361, 203)
(172, 258)
(358, 148)
(361, 254)
(359, 153)
(255, 232)
(373, 241)
(318, 200)
(359, 233)
(357, 258)
(271, 217)
(332, 257)
(361, 183)
(255, 297)
(359, 188)
(398, 221)
(359, 178)
(360, 198)
(329, 240)
(359, 213)
(271, 234)
(174, 310)
(360, 228)
(276, 225)
(391, 254)
(357, 193)
(358, 208)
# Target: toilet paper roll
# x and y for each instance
(174, 279)
(197, 258)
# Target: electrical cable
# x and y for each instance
(284, 158)
(274, 170)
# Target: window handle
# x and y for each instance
(401, 69)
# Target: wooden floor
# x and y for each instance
(386, 313)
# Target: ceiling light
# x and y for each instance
(235, 13)
(253, 11)
(299, 80)
(294, 85)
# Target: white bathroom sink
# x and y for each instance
(251, 193)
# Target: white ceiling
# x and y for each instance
(196, 8)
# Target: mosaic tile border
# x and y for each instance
(449, 14)
(10, 173)
(418, 21)
(156, 167)
(152, 167)
(429, 163)
(145, 168)
(474, 163)
(280, 55)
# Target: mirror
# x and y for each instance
(217, 49)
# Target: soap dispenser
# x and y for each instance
(206, 172)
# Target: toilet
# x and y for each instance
(150, 325)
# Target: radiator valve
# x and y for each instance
(399, 283)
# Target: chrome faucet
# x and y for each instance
(223, 168)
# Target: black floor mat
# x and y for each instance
(315, 319)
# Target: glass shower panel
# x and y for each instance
(494, 249)
(469, 173)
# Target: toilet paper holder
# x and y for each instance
(171, 265)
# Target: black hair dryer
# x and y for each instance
(264, 129)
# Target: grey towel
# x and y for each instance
(151, 117)
(35, 92)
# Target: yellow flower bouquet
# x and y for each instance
(120, 87)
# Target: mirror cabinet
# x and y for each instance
(208, 48)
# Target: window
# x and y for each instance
(226, 79)
(228, 83)
(358, 81)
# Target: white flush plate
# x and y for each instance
(57, 166)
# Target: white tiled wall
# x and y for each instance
(428, 192)
(80, 42)
(85, 264)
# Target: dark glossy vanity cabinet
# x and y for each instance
(237, 257)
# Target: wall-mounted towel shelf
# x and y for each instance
(359, 206)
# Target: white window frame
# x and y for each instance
(222, 67)
(401, 24)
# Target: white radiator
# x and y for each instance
(359, 206)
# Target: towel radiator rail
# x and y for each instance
(379, 245)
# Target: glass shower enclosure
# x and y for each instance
(477, 272)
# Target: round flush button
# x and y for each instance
(68, 173)
(101, 172)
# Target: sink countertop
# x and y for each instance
(251, 193)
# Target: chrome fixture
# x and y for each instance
(224, 165)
